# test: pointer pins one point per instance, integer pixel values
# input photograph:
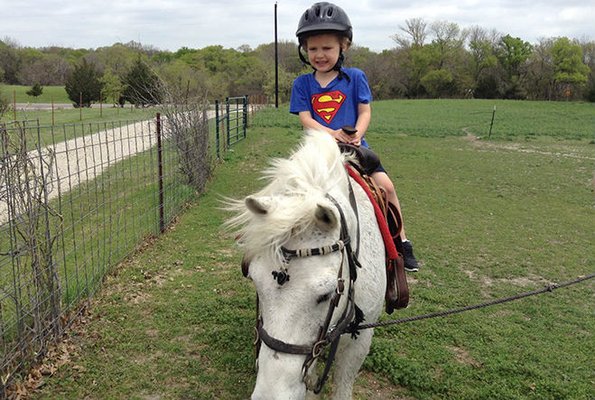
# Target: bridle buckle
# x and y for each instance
(318, 348)
(340, 286)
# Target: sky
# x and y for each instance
(173, 24)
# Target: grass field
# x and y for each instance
(488, 218)
(93, 115)
(57, 94)
(86, 115)
(61, 115)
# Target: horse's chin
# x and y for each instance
(274, 391)
(280, 378)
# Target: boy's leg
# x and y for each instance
(382, 179)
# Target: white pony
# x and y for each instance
(298, 234)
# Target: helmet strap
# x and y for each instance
(340, 61)
(302, 57)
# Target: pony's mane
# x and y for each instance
(296, 185)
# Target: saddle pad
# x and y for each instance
(389, 244)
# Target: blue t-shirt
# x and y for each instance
(336, 105)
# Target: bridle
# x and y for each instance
(327, 335)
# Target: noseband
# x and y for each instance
(327, 334)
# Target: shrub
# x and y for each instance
(35, 91)
(83, 85)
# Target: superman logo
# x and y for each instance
(327, 104)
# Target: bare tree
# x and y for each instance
(415, 33)
(50, 69)
(186, 124)
(34, 227)
(447, 33)
(479, 34)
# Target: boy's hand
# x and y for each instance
(351, 132)
(340, 136)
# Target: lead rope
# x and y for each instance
(546, 289)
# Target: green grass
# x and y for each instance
(100, 222)
(512, 120)
(57, 94)
(61, 115)
(487, 218)
(76, 116)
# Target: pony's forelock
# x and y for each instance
(297, 184)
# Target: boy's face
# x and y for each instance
(323, 51)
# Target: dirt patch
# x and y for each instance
(470, 137)
(523, 281)
(563, 151)
(462, 356)
(373, 387)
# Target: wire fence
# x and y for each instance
(74, 201)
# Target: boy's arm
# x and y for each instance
(310, 123)
(364, 115)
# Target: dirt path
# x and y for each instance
(83, 158)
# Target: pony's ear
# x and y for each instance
(258, 205)
(325, 217)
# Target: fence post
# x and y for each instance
(217, 144)
(492, 123)
(227, 122)
(160, 175)
(245, 111)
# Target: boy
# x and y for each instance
(333, 97)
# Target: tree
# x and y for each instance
(113, 88)
(438, 83)
(416, 63)
(286, 52)
(83, 86)
(589, 60)
(47, 69)
(540, 72)
(10, 61)
(4, 104)
(182, 83)
(118, 58)
(513, 54)
(482, 62)
(142, 85)
(35, 91)
(416, 33)
(569, 70)
(447, 59)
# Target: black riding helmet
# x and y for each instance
(323, 17)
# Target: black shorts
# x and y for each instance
(369, 161)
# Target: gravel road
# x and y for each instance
(86, 157)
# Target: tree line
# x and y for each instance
(429, 60)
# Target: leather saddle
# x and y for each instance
(397, 290)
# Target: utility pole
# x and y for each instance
(276, 63)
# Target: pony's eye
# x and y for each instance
(323, 298)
